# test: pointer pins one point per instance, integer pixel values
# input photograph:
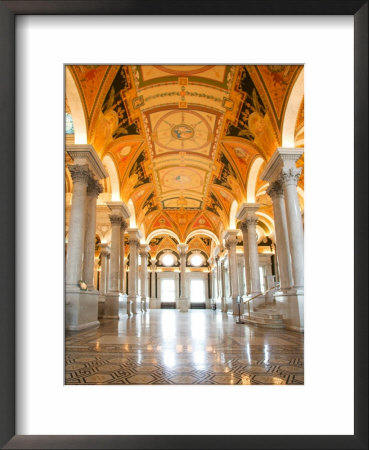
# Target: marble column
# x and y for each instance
(144, 249)
(133, 299)
(81, 309)
(123, 228)
(112, 297)
(153, 299)
(275, 192)
(230, 237)
(94, 188)
(183, 300)
(245, 239)
(223, 303)
(104, 254)
(251, 221)
(282, 168)
(289, 178)
(76, 236)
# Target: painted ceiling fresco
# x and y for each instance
(183, 138)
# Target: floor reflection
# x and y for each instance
(169, 347)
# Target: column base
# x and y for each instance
(135, 304)
(101, 306)
(113, 303)
(223, 305)
(154, 303)
(81, 310)
(183, 305)
(236, 308)
(291, 305)
(144, 303)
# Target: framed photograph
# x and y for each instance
(158, 161)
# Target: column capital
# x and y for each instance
(85, 154)
(252, 220)
(134, 236)
(144, 249)
(153, 263)
(275, 190)
(119, 208)
(104, 249)
(243, 227)
(230, 237)
(123, 226)
(282, 158)
(246, 210)
(79, 173)
(182, 248)
(115, 219)
(94, 188)
(290, 176)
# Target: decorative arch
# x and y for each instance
(267, 220)
(132, 217)
(207, 233)
(253, 178)
(161, 231)
(291, 112)
(76, 108)
(232, 215)
(113, 175)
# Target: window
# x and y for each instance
(197, 291)
(168, 291)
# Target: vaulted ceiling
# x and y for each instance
(183, 138)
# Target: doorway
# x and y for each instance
(197, 293)
(168, 293)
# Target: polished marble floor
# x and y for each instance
(169, 347)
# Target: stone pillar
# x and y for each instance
(122, 274)
(104, 253)
(153, 299)
(223, 303)
(133, 299)
(275, 192)
(281, 168)
(289, 178)
(81, 310)
(76, 237)
(94, 188)
(144, 248)
(183, 300)
(230, 237)
(112, 297)
(251, 221)
(245, 239)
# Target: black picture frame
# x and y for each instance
(8, 11)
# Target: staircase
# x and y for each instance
(265, 316)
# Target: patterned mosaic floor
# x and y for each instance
(169, 347)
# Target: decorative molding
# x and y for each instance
(275, 190)
(86, 154)
(282, 158)
(115, 219)
(94, 187)
(79, 173)
(290, 176)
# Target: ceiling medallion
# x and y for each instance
(182, 132)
